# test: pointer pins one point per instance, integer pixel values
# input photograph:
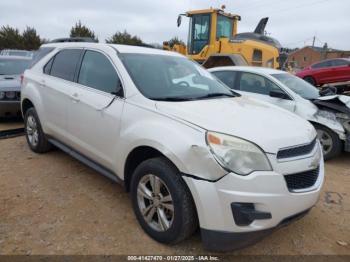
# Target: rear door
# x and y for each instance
(259, 87)
(56, 90)
(341, 70)
(96, 108)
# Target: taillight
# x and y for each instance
(22, 77)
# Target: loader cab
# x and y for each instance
(199, 33)
(208, 26)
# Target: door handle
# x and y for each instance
(75, 98)
(42, 83)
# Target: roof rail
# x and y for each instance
(74, 39)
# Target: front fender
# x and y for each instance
(309, 111)
(181, 143)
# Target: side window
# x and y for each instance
(47, 67)
(224, 27)
(339, 63)
(323, 64)
(64, 64)
(97, 72)
(256, 84)
(227, 77)
(257, 57)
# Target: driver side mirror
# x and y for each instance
(179, 19)
(279, 94)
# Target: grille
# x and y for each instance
(296, 151)
(302, 180)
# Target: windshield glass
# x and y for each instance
(298, 85)
(13, 66)
(172, 78)
(224, 27)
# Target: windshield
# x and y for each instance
(172, 78)
(13, 66)
(298, 85)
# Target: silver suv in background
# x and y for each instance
(11, 68)
(189, 150)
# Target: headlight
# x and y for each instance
(10, 95)
(237, 155)
(2, 95)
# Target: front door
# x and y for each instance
(258, 86)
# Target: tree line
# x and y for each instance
(29, 39)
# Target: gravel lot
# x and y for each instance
(52, 204)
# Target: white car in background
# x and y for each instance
(189, 150)
(329, 113)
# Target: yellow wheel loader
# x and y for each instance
(213, 41)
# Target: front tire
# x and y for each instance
(331, 144)
(35, 136)
(162, 202)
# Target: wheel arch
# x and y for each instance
(335, 127)
(25, 105)
(138, 155)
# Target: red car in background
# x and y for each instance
(327, 71)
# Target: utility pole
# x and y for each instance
(313, 41)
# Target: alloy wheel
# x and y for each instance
(32, 131)
(155, 202)
(326, 141)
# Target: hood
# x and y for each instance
(264, 124)
(10, 83)
(338, 103)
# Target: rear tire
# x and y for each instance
(310, 80)
(35, 136)
(162, 202)
(331, 144)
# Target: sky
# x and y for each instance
(293, 23)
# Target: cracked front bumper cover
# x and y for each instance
(227, 241)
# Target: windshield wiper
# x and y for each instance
(171, 98)
(210, 95)
(181, 98)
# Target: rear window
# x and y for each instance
(65, 63)
(43, 51)
(13, 66)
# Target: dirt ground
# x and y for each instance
(52, 204)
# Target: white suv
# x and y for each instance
(190, 151)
